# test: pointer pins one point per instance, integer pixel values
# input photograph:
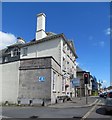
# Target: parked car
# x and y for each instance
(108, 102)
(103, 94)
(100, 94)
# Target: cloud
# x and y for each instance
(6, 39)
(104, 81)
(99, 44)
(77, 63)
(108, 31)
(96, 43)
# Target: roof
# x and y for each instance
(15, 45)
(52, 36)
(50, 33)
(71, 44)
(6, 51)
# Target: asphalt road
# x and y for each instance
(99, 111)
(43, 112)
(96, 111)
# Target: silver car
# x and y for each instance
(108, 102)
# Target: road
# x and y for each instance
(43, 112)
(96, 111)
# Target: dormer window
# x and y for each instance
(14, 52)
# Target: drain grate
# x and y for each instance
(77, 117)
(34, 117)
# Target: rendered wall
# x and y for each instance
(48, 48)
(9, 81)
(31, 87)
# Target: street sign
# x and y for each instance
(76, 82)
(41, 79)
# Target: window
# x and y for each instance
(14, 52)
(71, 53)
(54, 80)
(25, 50)
(6, 59)
(63, 59)
(63, 84)
(11, 53)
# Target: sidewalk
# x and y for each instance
(77, 102)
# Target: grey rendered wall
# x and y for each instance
(9, 81)
(30, 86)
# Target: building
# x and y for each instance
(40, 69)
(82, 88)
(94, 86)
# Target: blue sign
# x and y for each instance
(76, 82)
(41, 79)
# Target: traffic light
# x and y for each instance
(86, 78)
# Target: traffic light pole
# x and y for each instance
(86, 79)
(86, 95)
(80, 89)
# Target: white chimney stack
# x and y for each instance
(40, 32)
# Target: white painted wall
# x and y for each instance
(70, 68)
(58, 81)
(40, 33)
(48, 48)
(41, 21)
(0, 83)
(10, 81)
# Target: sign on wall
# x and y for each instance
(41, 79)
(76, 82)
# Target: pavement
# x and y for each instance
(77, 102)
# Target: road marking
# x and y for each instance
(89, 112)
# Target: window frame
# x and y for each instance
(63, 84)
(54, 81)
(14, 52)
(25, 51)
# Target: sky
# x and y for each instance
(87, 24)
